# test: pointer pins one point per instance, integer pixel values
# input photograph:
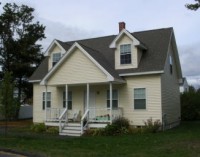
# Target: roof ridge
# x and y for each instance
(90, 38)
(153, 30)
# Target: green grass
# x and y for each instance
(183, 141)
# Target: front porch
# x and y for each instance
(92, 118)
(82, 107)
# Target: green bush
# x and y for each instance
(133, 130)
(119, 126)
(121, 122)
(52, 130)
(39, 128)
(152, 126)
(190, 105)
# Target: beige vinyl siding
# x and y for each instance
(77, 98)
(170, 91)
(77, 69)
(152, 84)
(126, 40)
(55, 49)
(38, 112)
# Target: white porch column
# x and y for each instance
(66, 96)
(45, 104)
(111, 99)
(88, 95)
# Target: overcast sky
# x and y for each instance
(78, 19)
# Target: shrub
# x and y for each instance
(111, 129)
(38, 128)
(121, 122)
(132, 130)
(152, 126)
(52, 130)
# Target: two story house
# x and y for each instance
(88, 83)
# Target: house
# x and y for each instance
(88, 83)
(184, 87)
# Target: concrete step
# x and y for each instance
(72, 128)
(69, 134)
(71, 131)
(74, 124)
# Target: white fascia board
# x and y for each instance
(51, 45)
(124, 31)
(33, 81)
(142, 73)
(109, 76)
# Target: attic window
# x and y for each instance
(56, 58)
(125, 54)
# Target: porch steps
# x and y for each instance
(71, 129)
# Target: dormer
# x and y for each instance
(55, 51)
(128, 49)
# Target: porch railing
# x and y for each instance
(53, 114)
(94, 114)
(63, 119)
(84, 121)
(103, 114)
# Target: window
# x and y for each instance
(69, 100)
(56, 58)
(48, 100)
(171, 63)
(114, 97)
(139, 98)
(125, 54)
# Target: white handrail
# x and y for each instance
(63, 113)
(60, 119)
(82, 119)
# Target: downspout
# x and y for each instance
(111, 99)
(45, 101)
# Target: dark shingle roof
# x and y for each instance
(41, 71)
(153, 59)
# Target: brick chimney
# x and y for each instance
(122, 25)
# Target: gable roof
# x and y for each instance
(87, 52)
(136, 42)
(153, 59)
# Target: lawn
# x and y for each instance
(183, 141)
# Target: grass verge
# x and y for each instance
(182, 141)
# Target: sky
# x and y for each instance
(68, 20)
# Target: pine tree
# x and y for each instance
(19, 51)
(7, 101)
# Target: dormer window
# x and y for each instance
(56, 58)
(125, 54)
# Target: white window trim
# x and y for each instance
(113, 99)
(67, 99)
(53, 54)
(120, 54)
(44, 99)
(146, 109)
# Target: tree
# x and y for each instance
(194, 6)
(7, 102)
(190, 104)
(19, 51)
